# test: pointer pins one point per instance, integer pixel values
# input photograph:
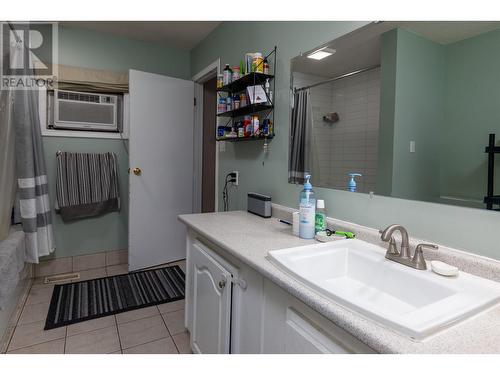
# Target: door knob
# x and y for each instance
(137, 171)
(222, 284)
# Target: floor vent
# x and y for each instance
(62, 278)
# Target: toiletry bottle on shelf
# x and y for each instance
(256, 124)
(221, 107)
(236, 73)
(351, 186)
(267, 88)
(320, 222)
(266, 66)
(241, 129)
(257, 63)
(307, 211)
(247, 126)
(227, 75)
(236, 101)
(243, 99)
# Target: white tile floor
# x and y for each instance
(151, 330)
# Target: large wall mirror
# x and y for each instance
(409, 106)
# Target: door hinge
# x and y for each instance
(194, 101)
(242, 283)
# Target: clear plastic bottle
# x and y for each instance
(320, 222)
(307, 211)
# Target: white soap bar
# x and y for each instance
(444, 269)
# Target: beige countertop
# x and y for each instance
(249, 238)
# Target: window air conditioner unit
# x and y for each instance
(85, 111)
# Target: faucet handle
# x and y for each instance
(392, 249)
(426, 245)
(418, 258)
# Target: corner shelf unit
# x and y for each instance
(266, 110)
(490, 199)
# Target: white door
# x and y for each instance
(212, 287)
(161, 147)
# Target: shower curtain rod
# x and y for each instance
(338, 77)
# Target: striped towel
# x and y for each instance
(87, 185)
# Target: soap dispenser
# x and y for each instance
(351, 186)
(307, 211)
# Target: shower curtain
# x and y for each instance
(7, 164)
(300, 161)
(31, 175)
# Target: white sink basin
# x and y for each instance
(413, 302)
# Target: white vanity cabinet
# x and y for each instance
(291, 327)
(211, 309)
(231, 308)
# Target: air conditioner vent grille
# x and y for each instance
(78, 97)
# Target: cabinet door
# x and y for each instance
(302, 336)
(211, 303)
(290, 326)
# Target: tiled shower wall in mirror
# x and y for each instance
(351, 144)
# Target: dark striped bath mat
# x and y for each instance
(91, 299)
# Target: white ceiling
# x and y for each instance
(361, 48)
(182, 34)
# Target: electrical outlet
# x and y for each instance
(236, 177)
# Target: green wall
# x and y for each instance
(445, 97)
(418, 117)
(444, 224)
(229, 42)
(90, 49)
(388, 63)
(472, 102)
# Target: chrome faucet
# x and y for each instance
(403, 256)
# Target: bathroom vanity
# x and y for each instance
(240, 300)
